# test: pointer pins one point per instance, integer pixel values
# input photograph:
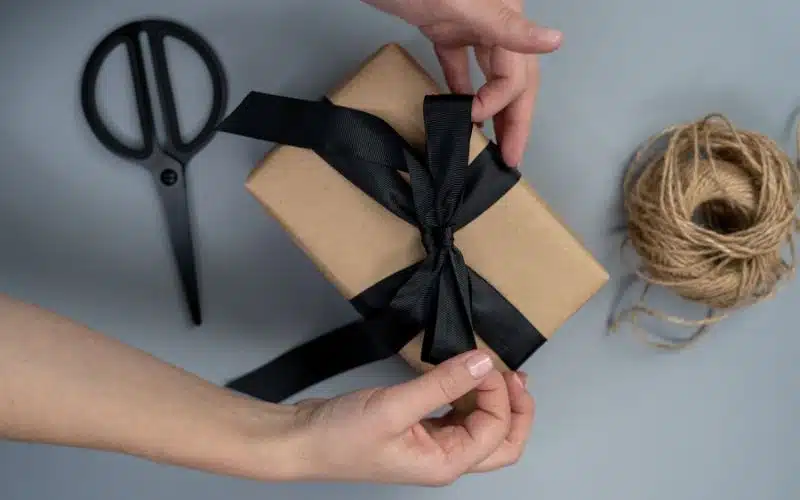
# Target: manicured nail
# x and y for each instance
(547, 35)
(479, 365)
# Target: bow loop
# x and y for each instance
(448, 130)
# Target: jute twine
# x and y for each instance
(712, 217)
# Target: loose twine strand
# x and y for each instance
(710, 217)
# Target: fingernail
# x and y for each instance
(479, 365)
(548, 35)
(522, 377)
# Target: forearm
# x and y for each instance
(63, 384)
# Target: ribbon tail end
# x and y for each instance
(240, 121)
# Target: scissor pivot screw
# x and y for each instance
(169, 177)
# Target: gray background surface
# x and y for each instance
(82, 234)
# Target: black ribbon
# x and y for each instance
(441, 294)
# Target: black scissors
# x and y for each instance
(167, 162)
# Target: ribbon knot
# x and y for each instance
(437, 239)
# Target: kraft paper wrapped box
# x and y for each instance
(453, 247)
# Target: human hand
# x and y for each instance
(386, 435)
(505, 45)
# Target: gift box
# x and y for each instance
(408, 209)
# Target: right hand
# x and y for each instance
(505, 45)
(385, 435)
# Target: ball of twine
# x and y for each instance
(711, 216)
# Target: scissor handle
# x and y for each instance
(129, 36)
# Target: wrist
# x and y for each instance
(230, 435)
(269, 443)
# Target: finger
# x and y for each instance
(506, 80)
(412, 401)
(515, 128)
(499, 24)
(522, 409)
(455, 65)
(492, 98)
(472, 439)
(522, 415)
(451, 34)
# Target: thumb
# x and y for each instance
(499, 24)
(441, 386)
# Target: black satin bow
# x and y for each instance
(440, 294)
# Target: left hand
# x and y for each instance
(385, 435)
(505, 45)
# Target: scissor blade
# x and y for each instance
(172, 190)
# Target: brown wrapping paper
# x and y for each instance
(517, 245)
